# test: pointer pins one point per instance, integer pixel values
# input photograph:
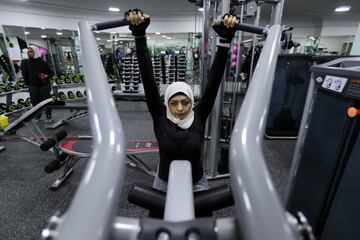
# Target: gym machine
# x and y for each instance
(325, 173)
(258, 216)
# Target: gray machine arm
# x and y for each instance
(259, 211)
(92, 210)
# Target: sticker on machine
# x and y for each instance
(333, 83)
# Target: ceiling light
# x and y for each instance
(59, 33)
(27, 33)
(342, 9)
(157, 33)
(168, 38)
(43, 36)
(148, 37)
(163, 36)
(98, 39)
(108, 40)
(201, 9)
(43, 28)
(114, 9)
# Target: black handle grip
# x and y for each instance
(60, 135)
(45, 146)
(246, 27)
(110, 24)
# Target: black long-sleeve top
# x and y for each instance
(174, 142)
(31, 68)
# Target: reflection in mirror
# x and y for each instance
(57, 46)
(15, 42)
(177, 51)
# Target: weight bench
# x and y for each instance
(205, 202)
(76, 112)
(37, 135)
(81, 147)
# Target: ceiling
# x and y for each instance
(293, 9)
(311, 11)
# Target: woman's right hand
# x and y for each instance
(138, 22)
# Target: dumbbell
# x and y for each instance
(79, 94)
(67, 80)
(113, 88)
(62, 96)
(11, 107)
(59, 81)
(136, 88)
(27, 102)
(7, 87)
(20, 103)
(2, 107)
(76, 79)
(17, 86)
(53, 80)
(54, 97)
(71, 94)
(5, 77)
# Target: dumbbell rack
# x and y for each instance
(156, 60)
(131, 75)
(181, 68)
(171, 69)
(9, 101)
(75, 82)
(176, 70)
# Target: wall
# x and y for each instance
(356, 46)
(37, 42)
(165, 25)
(334, 43)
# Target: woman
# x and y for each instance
(36, 73)
(179, 125)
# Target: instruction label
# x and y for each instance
(333, 83)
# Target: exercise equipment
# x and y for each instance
(27, 102)
(76, 112)
(82, 147)
(71, 95)
(79, 94)
(288, 96)
(257, 216)
(20, 103)
(11, 107)
(62, 96)
(325, 173)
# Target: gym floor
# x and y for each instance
(26, 203)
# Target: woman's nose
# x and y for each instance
(180, 107)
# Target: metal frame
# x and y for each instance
(216, 113)
(306, 116)
(260, 214)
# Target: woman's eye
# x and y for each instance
(173, 103)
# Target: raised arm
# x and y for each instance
(138, 24)
(225, 33)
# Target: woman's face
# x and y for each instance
(180, 106)
(30, 53)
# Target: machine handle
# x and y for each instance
(111, 24)
(353, 112)
(245, 27)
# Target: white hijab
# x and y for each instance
(172, 89)
(36, 51)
